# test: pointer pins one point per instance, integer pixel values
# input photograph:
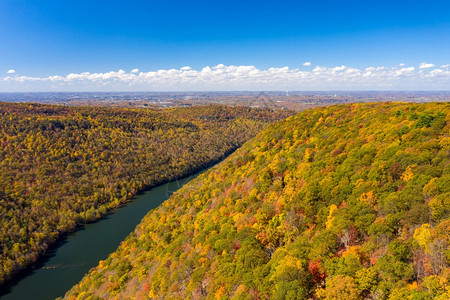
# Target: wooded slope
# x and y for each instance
(63, 166)
(343, 202)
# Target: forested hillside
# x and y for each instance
(61, 167)
(344, 202)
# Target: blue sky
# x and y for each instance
(43, 39)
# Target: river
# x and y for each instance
(63, 266)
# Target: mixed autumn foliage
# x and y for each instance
(64, 166)
(344, 202)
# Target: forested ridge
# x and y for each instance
(65, 166)
(343, 202)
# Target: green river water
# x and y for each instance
(64, 265)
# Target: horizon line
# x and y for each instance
(228, 91)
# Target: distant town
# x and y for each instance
(294, 100)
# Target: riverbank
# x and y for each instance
(72, 256)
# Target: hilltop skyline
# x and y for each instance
(237, 45)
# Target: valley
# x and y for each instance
(63, 167)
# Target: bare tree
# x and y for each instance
(437, 255)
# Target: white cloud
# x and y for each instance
(435, 72)
(341, 68)
(425, 66)
(445, 66)
(307, 64)
(231, 77)
(135, 70)
(11, 71)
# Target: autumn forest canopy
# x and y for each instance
(64, 166)
(340, 202)
(343, 202)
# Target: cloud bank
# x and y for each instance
(226, 78)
